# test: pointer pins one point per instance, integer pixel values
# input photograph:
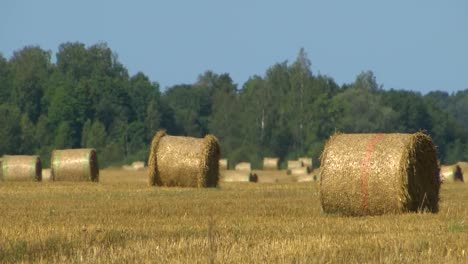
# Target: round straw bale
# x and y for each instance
(451, 173)
(75, 165)
(270, 163)
(299, 171)
(183, 161)
(47, 175)
(21, 168)
(138, 165)
(243, 166)
(128, 167)
(304, 178)
(307, 162)
(223, 164)
(237, 176)
(295, 164)
(372, 174)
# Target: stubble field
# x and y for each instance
(122, 220)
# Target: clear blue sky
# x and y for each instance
(417, 45)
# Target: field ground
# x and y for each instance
(122, 220)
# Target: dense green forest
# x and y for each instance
(86, 98)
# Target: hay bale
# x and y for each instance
(237, 176)
(270, 163)
(75, 165)
(183, 161)
(298, 171)
(47, 175)
(304, 178)
(451, 173)
(21, 168)
(128, 167)
(372, 174)
(295, 164)
(138, 165)
(243, 166)
(223, 164)
(307, 162)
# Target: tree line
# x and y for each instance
(86, 98)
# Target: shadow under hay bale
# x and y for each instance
(223, 164)
(183, 161)
(74, 165)
(21, 168)
(237, 176)
(451, 173)
(243, 166)
(270, 163)
(47, 175)
(295, 164)
(372, 174)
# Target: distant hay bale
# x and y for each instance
(47, 175)
(223, 164)
(75, 165)
(307, 162)
(21, 168)
(183, 161)
(451, 173)
(128, 167)
(299, 171)
(270, 163)
(243, 166)
(304, 178)
(295, 164)
(237, 176)
(138, 165)
(372, 174)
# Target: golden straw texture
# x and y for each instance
(451, 173)
(270, 163)
(183, 161)
(21, 168)
(75, 165)
(372, 174)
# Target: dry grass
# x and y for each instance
(122, 220)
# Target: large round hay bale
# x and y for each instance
(243, 166)
(451, 173)
(237, 176)
(307, 162)
(183, 161)
(372, 174)
(295, 164)
(47, 175)
(223, 164)
(75, 165)
(21, 168)
(270, 163)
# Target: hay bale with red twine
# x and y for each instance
(74, 165)
(21, 168)
(373, 174)
(183, 161)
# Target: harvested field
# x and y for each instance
(122, 220)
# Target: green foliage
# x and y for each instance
(87, 99)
